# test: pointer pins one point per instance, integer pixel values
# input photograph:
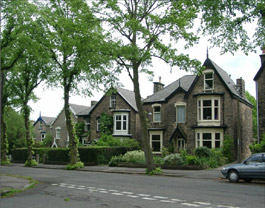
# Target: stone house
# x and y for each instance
(59, 130)
(121, 106)
(42, 127)
(197, 111)
(260, 90)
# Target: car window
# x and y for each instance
(263, 158)
(254, 159)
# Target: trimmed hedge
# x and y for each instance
(89, 155)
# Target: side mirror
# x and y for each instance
(245, 162)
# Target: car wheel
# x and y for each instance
(233, 176)
(247, 180)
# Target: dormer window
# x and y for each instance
(156, 112)
(112, 101)
(40, 125)
(208, 80)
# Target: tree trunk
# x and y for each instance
(144, 131)
(1, 102)
(29, 140)
(4, 141)
(73, 143)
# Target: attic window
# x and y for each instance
(112, 101)
(208, 80)
(40, 125)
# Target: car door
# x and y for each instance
(251, 167)
(261, 173)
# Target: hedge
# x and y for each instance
(89, 155)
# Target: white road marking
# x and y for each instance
(54, 184)
(225, 206)
(102, 189)
(70, 187)
(150, 199)
(113, 190)
(104, 192)
(203, 203)
(160, 197)
(125, 192)
(133, 196)
(118, 194)
(190, 205)
(81, 188)
(143, 195)
(177, 200)
(167, 201)
(90, 187)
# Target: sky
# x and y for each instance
(50, 101)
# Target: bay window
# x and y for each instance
(211, 138)
(209, 109)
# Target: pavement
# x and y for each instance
(13, 182)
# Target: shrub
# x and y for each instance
(31, 163)
(157, 171)
(191, 160)
(47, 142)
(75, 166)
(256, 148)
(227, 149)
(173, 159)
(110, 141)
(165, 152)
(202, 152)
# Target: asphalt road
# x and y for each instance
(61, 188)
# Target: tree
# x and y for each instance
(226, 23)
(76, 44)
(254, 113)
(144, 25)
(16, 18)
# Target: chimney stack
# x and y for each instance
(262, 56)
(241, 87)
(158, 85)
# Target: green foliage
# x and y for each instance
(109, 141)
(106, 124)
(5, 162)
(165, 152)
(202, 152)
(256, 148)
(67, 199)
(227, 149)
(173, 159)
(47, 142)
(157, 171)
(31, 163)
(75, 166)
(191, 159)
(254, 113)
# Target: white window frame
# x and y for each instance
(41, 125)
(121, 131)
(113, 101)
(206, 72)
(42, 136)
(87, 123)
(200, 110)
(58, 135)
(199, 136)
(156, 113)
(183, 144)
(180, 104)
(160, 133)
(98, 124)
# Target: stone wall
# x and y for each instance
(261, 102)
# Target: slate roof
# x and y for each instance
(48, 120)
(184, 83)
(187, 82)
(85, 112)
(128, 96)
(78, 108)
(262, 68)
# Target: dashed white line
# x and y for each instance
(224, 206)
(190, 205)
(54, 184)
(144, 195)
(125, 192)
(79, 188)
(167, 201)
(203, 203)
(178, 200)
(118, 194)
(132, 196)
(104, 192)
(150, 199)
(160, 197)
(113, 191)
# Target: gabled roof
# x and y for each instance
(228, 82)
(262, 68)
(45, 119)
(128, 96)
(76, 109)
(86, 111)
(184, 84)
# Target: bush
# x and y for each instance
(227, 149)
(47, 142)
(31, 163)
(191, 160)
(134, 157)
(110, 141)
(202, 152)
(173, 159)
(256, 148)
(75, 166)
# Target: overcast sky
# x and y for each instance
(237, 65)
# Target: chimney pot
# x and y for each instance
(158, 86)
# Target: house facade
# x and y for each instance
(42, 127)
(121, 106)
(59, 129)
(260, 90)
(197, 111)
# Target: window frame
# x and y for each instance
(98, 124)
(87, 124)
(201, 108)
(154, 106)
(205, 73)
(121, 131)
(156, 133)
(113, 101)
(180, 104)
(56, 132)
(199, 137)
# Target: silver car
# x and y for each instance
(251, 168)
